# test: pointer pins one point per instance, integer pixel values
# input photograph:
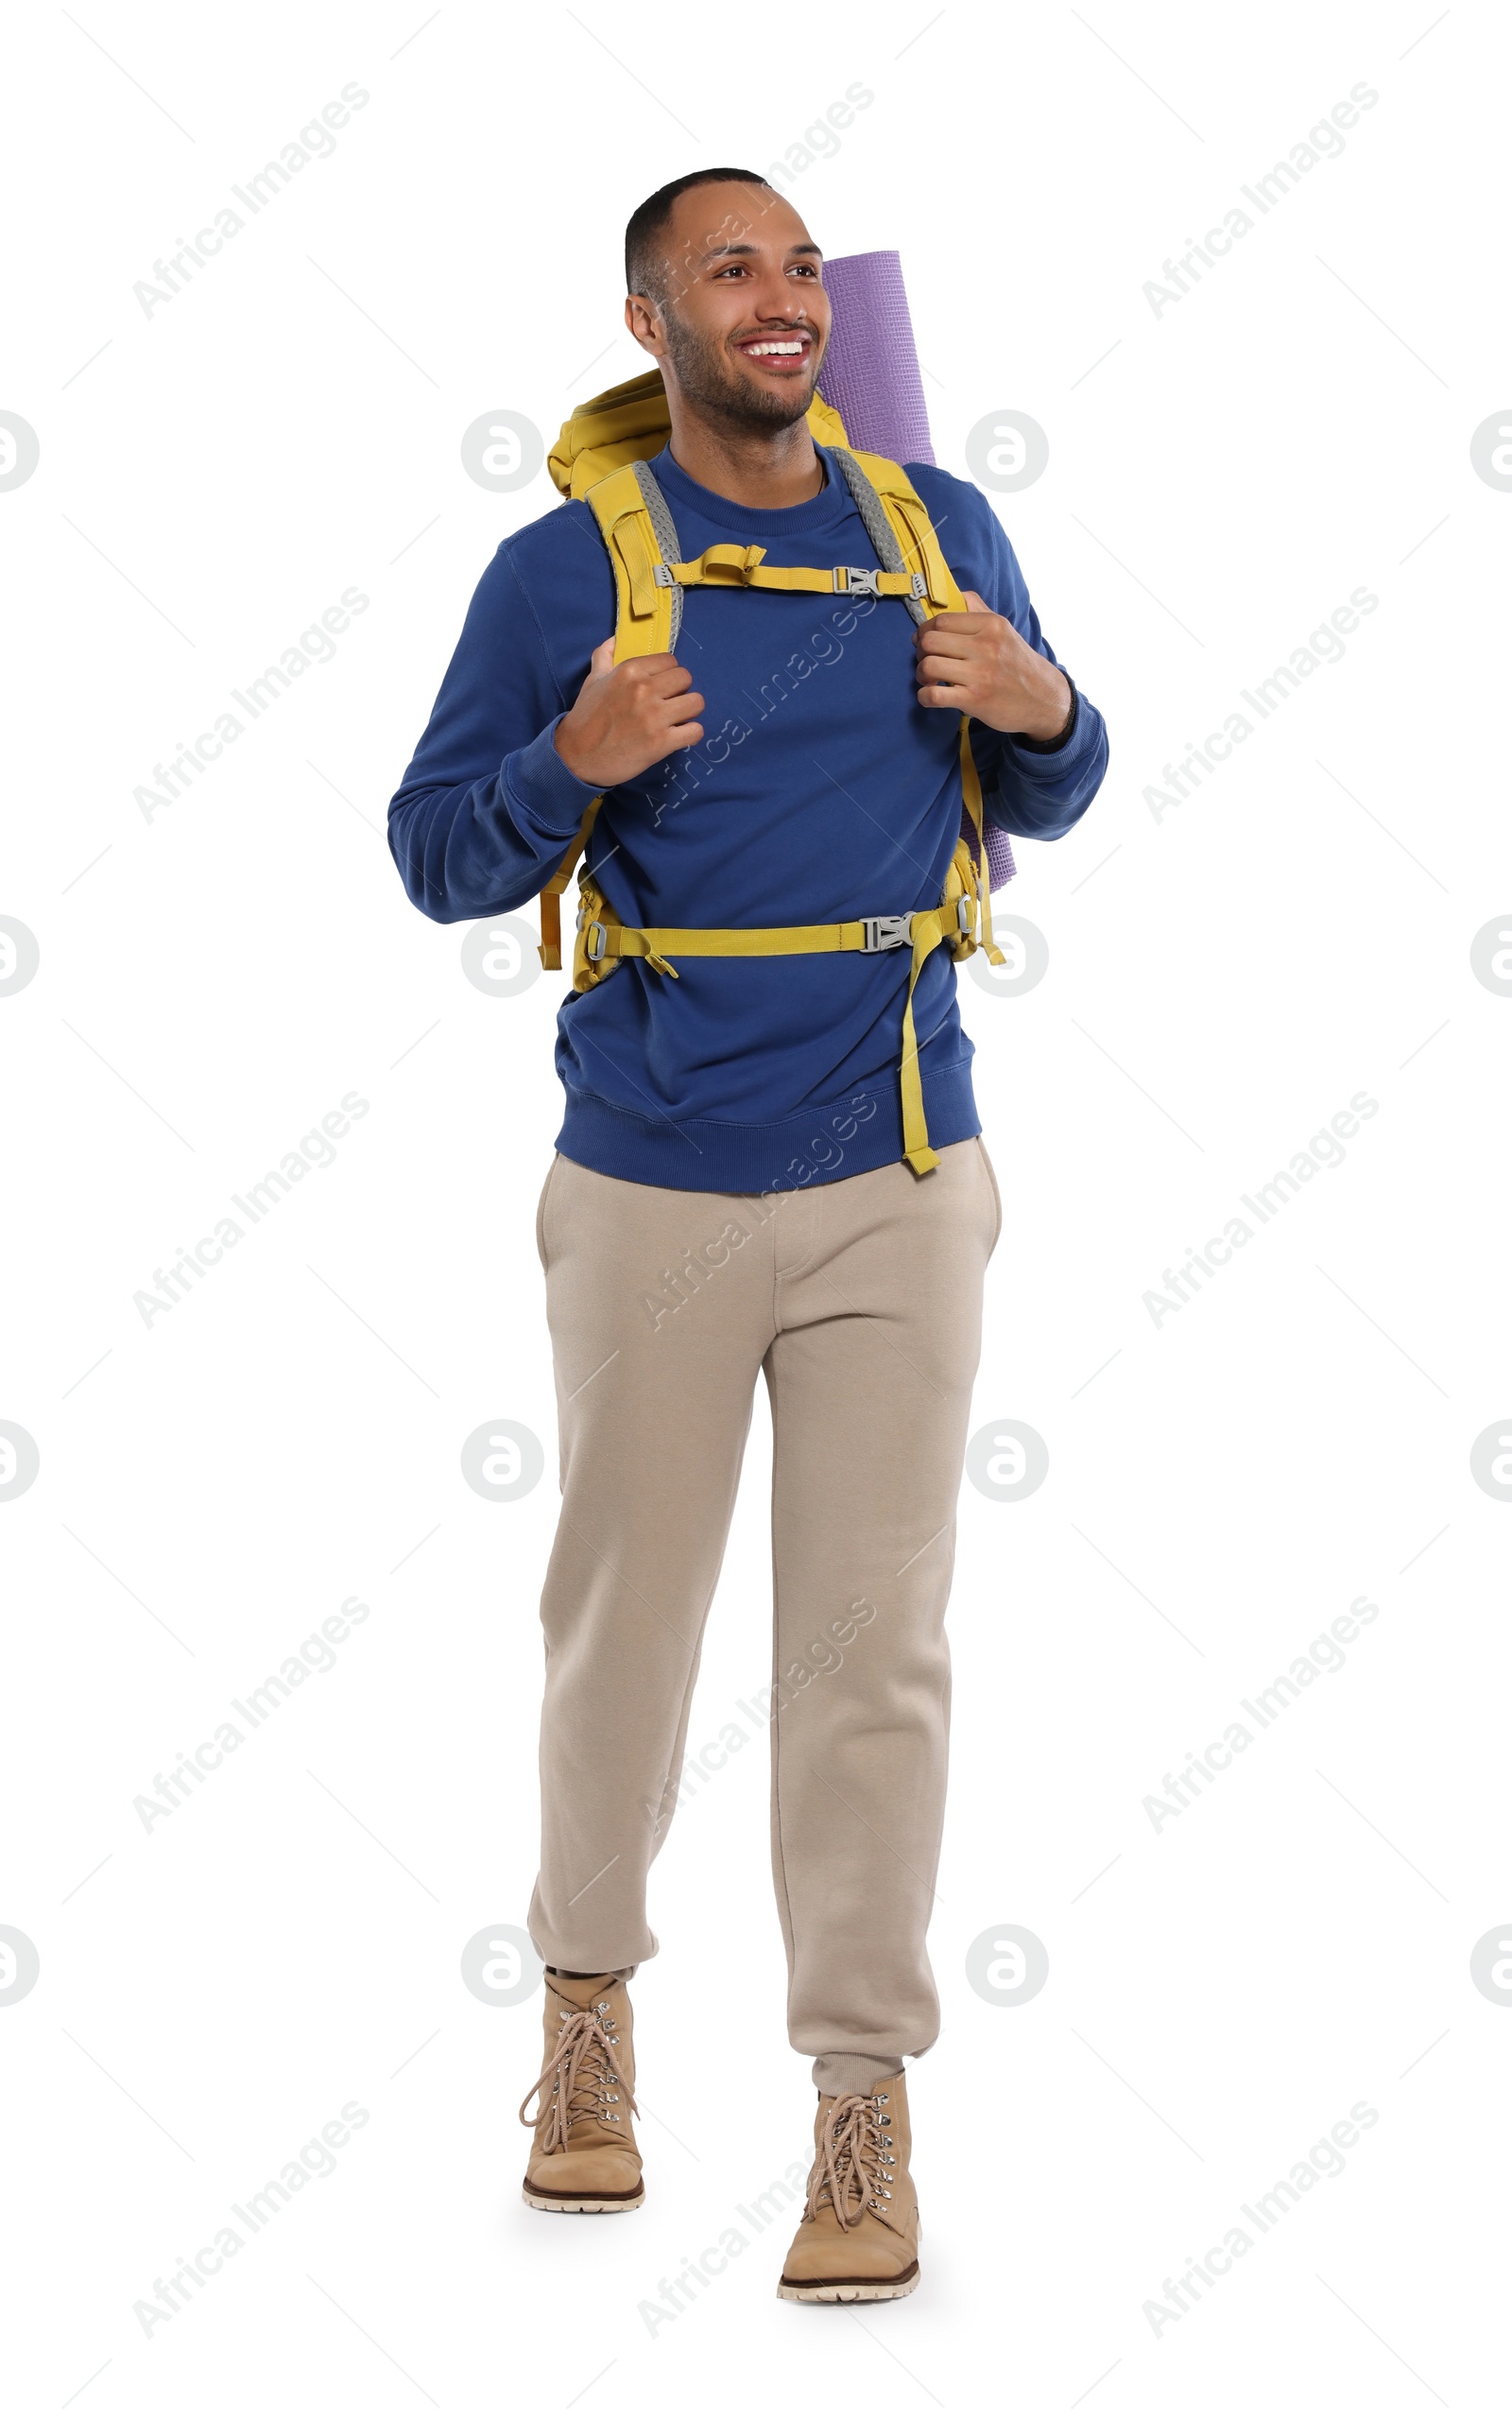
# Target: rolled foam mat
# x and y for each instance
(872, 378)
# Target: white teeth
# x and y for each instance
(754, 349)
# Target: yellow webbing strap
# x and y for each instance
(915, 532)
(550, 949)
(971, 789)
(642, 622)
(643, 626)
(731, 566)
(659, 943)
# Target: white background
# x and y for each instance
(1221, 981)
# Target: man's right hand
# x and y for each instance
(627, 717)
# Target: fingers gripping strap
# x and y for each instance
(900, 529)
(639, 534)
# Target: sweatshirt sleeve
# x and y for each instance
(486, 808)
(1034, 789)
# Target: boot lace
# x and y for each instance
(582, 2073)
(856, 2162)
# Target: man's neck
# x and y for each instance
(767, 472)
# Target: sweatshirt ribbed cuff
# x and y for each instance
(538, 781)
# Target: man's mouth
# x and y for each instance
(779, 352)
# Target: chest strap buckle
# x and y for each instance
(886, 932)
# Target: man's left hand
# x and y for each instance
(975, 662)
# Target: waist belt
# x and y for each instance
(603, 941)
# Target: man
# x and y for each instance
(728, 1192)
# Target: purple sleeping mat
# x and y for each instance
(872, 378)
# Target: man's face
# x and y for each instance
(745, 321)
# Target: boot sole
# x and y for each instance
(583, 2205)
(848, 2288)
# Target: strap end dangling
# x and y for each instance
(662, 965)
(923, 1160)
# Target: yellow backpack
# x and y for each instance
(602, 456)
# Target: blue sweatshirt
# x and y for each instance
(822, 791)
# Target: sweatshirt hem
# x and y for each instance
(849, 1136)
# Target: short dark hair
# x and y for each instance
(643, 260)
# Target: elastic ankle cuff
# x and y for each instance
(842, 2070)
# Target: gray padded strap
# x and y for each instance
(879, 528)
(665, 530)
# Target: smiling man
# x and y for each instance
(770, 1162)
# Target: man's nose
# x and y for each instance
(778, 299)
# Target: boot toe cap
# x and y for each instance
(867, 2253)
(608, 2174)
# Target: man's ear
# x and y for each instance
(642, 318)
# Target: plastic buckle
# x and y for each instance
(886, 932)
(857, 582)
(592, 954)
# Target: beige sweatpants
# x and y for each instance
(859, 1300)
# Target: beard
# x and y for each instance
(708, 380)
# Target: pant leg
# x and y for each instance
(659, 1305)
(879, 1312)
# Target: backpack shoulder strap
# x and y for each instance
(642, 539)
(639, 532)
(900, 527)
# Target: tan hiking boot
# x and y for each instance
(858, 2237)
(584, 2158)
